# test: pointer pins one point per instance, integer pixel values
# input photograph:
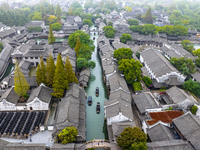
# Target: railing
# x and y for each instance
(100, 143)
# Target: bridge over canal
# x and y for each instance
(100, 143)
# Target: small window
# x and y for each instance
(32, 63)
(36, 57)
(26, 57)
(31, 57)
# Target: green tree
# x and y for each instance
(52, 19)
(1, 46)
(109, 31)
(196, 52)
(194, 109)
(192, 86)
(85, 51)
(37, 16)
(88, 22)
(38, 73)
(123, 53)
(131, 69)
(56, 26)
(84, 39)
(81, 63)
(20, 83)
(51, 38)
(78, 46)
(59, 82)
(126, 37)
(43, 71)
(68, 135)
(139, 146)
(146, 29)
(185, 66)
(197, 61)
(70, 75)
(50, 71)
(147, 81)
(187, 45)
(130, 136)
(110, 23)
(92, 64)
(148, 17)
(137, 86)
(132, 22)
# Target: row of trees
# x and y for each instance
(84, 47)
(176, 30)
(130, 67)
(58, 76)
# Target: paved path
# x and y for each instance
(97, 144)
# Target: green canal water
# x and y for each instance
(94, 121)
(8, 71)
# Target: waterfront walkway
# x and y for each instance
(100, 143)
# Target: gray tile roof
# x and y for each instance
(169, 145)
(189, 126)
(42, 92)
(6, 33)
(116, 106)
(10, 96)
(144, 101)
(178, 95)
(160, 132)
(71, 111)
(117, 82)
(35, 23)
(24, 146)
(158, 63)
(30, 80)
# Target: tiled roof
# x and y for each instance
(164, 116)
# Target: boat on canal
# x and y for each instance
(98, 107)
(97, 91)
(90, 100)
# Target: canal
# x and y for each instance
(94, 121)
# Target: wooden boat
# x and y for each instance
(90, 100)
(97, 91)
(98, 107)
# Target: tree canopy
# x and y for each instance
(132, 22)
(192, 86)
(132, 137)
(60, 82)
(50, 71)
(87, 22)
(56, 26)
(68, 135)
(70, 75)
(123, 53)
(84, 39)
(187, 45)
(185, 66)
(126, 37)
(109, 31)
(147, 18)
(131, 69)
(21, 85)
(51, 38)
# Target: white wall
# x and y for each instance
(37, 104)
(118, 118)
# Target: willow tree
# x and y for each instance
(51, 38)
(60, 82)
(21, 85)
(78, 46)
(69, 72)
(50, 71)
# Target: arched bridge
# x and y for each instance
(100, 143)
